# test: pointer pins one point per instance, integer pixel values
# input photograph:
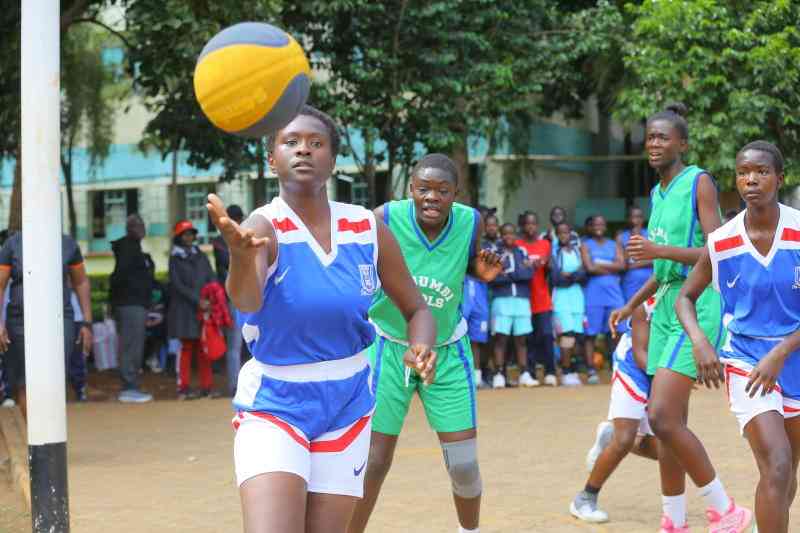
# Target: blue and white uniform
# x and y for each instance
(475, 309)
(630, 385)
(761, 300)
(304, 400)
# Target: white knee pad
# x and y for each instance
(461, 460)
(566, 341)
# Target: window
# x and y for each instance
(359, 194)
(195, 210)
(109, 211)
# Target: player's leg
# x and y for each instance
(543, 345)
(584, 505)
(773, 453)
(451, 410)
(274, 502)
(522, 331)
(392, 399)
(792, 427)
(502, 327)
(329, 513)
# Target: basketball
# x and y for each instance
(251, 79)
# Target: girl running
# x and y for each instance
(754, 263)
(684, 210)
(303, 271)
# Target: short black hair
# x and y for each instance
(768, 147)
(564, 223)
(634, 207)
(437, 161)
(235, 213)
(524, 214)
(508, 225)
(330, 125)
(674, 113)
(489, 217)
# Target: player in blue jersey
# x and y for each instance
(303, 271)
(754, 263)
(628, 429)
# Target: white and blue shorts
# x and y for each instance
(629, 400)
(312, 420)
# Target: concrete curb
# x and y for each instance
(13, 431)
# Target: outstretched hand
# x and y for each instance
(488, 265)
(240, 241)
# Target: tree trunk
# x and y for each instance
(260, 186)
(369, 170)
(15, 212)
(460, 156)
(66, 168)
(173, 190)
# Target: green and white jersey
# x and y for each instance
(438, 269)
(674, 222)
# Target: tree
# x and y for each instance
(735, 64)
(72, 12)
(87, 104)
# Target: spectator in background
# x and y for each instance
(540, 343)
(131, 287)
(189, 272)
(637, 272)
(233, 335)
(603, 260)
(558, 215)
(12, 332)
(511, 308)
(78, 352)
(491, 234)
(475, 309)
(567, 276)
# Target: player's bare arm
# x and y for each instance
(709, 370)
(642, 249)
(253, 248)
(5, 275)
(640, 336)
(400, 287)
(81, 285)
(486, 264)
(618, 315)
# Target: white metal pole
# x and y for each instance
(42, 265)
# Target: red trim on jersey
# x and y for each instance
(729, 243)
(342, 442)
(356, 226)
(285, 225)
(633, 394)
(790, 234)
(787, 409)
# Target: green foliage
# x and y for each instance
(735, 64)
(166, 37)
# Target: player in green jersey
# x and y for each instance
(440, 242)
(684, 210)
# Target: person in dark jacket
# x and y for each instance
(131, 285)
(189, 271)
(511, 308)
(233, 335)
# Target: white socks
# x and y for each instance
(715, 496)
(462, 530)
(675, 508)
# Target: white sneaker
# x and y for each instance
(605, 430)
(592, 378)
(588, 513)
(550, 380)
(526, 380)
(8, 402)
(571, 380)
(499, 381)
(477, 377)
(152, 364)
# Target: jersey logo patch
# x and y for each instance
(356, 226)
(285, 225)
(279, 278)
(732, 283)
(368, 279)
(728, 244)
(796, 284)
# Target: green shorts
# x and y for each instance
(669, 346)
(449, 401)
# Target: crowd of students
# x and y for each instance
(553, 298)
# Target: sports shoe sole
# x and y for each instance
(574, 512)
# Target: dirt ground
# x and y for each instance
(167, 466)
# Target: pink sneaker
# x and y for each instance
(668, 527)
(735, 520)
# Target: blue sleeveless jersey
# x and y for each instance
(603, 290)
(315, 304)
(760, 294)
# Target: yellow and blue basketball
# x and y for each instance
(251, 79)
